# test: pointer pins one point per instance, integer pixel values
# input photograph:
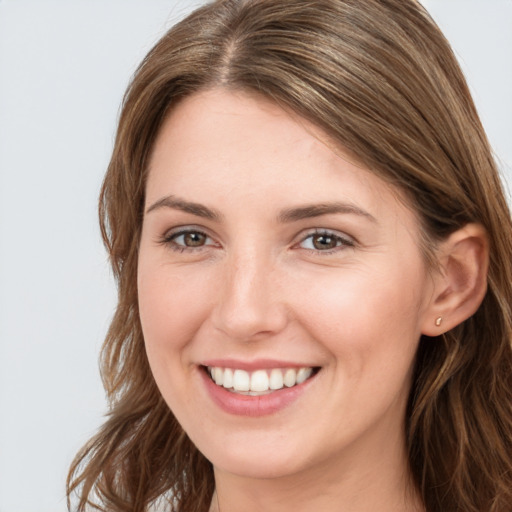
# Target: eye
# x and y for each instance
(325, 241)
(190, 239)
(187, 239)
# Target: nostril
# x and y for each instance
(247, 304)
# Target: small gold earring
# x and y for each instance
(439, 320)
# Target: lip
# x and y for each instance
(257, 364)
(252, 406)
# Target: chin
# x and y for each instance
(261, 467)
(256, 455)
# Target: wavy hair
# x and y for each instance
(379, 77)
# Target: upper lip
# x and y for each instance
(256, 364)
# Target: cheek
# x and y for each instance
(172, 306)
(364, 317)
(171, 313)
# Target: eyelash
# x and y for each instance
(342, 242)
(169, 240)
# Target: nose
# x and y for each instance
(250, 303)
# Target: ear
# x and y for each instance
(460, 283)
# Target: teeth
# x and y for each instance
(241, 380)
(218, 376)
(290, 378)
(259, 381)
(276, 379)
(302, 375)
(228, 378)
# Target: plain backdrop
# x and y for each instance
(64, 66)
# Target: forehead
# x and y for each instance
(247, 122)
(236, 146)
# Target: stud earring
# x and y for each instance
(439, 320)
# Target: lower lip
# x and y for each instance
(254, 406)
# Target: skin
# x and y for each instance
(256, 286)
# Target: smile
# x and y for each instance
(258, 382)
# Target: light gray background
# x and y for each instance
(64, 66)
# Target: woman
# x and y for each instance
(312, 249)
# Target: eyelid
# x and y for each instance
(347, 241)
(169, 237)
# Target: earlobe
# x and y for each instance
(460, 283)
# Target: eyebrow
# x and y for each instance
(317, 210)
(285, 216)
(186, 206)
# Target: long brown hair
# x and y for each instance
(378, 77)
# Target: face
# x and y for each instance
(292, 275)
